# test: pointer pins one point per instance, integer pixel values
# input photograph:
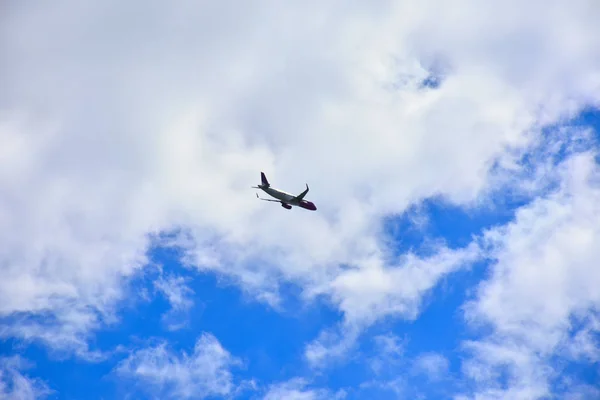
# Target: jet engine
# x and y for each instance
(286, 206)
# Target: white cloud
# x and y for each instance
(296, 389)
(179, 296)
(389, 350)
(165, 120)
(331, 346)
(582, 392)
(64, 332)
(540, 298)
(583, 345)
(16, 386)
(370, 292)
(433, 365)
(205, 372)
(176, 291)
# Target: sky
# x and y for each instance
(451, 149)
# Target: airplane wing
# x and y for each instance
(260, 198)
(301, 195)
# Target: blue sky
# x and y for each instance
(452, 153)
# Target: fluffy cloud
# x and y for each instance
(178, 295)
(296, 389)
(389, 350)
(204, 373)
(373, 291)
(164, 120)
(434, 365)
(541, 297)
(15, 385)
(376, 290)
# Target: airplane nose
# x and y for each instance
(308, 205)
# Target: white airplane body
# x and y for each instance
(286, 199)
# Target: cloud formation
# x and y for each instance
(179, 296)
(15, 385)
(204, 373)
(296, 389)
(161, 123)
(434, 366)
(541, 298)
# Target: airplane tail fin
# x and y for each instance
(264, 180)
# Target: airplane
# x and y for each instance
(287, 200)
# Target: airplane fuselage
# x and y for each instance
(279, 194)
(288, 198)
